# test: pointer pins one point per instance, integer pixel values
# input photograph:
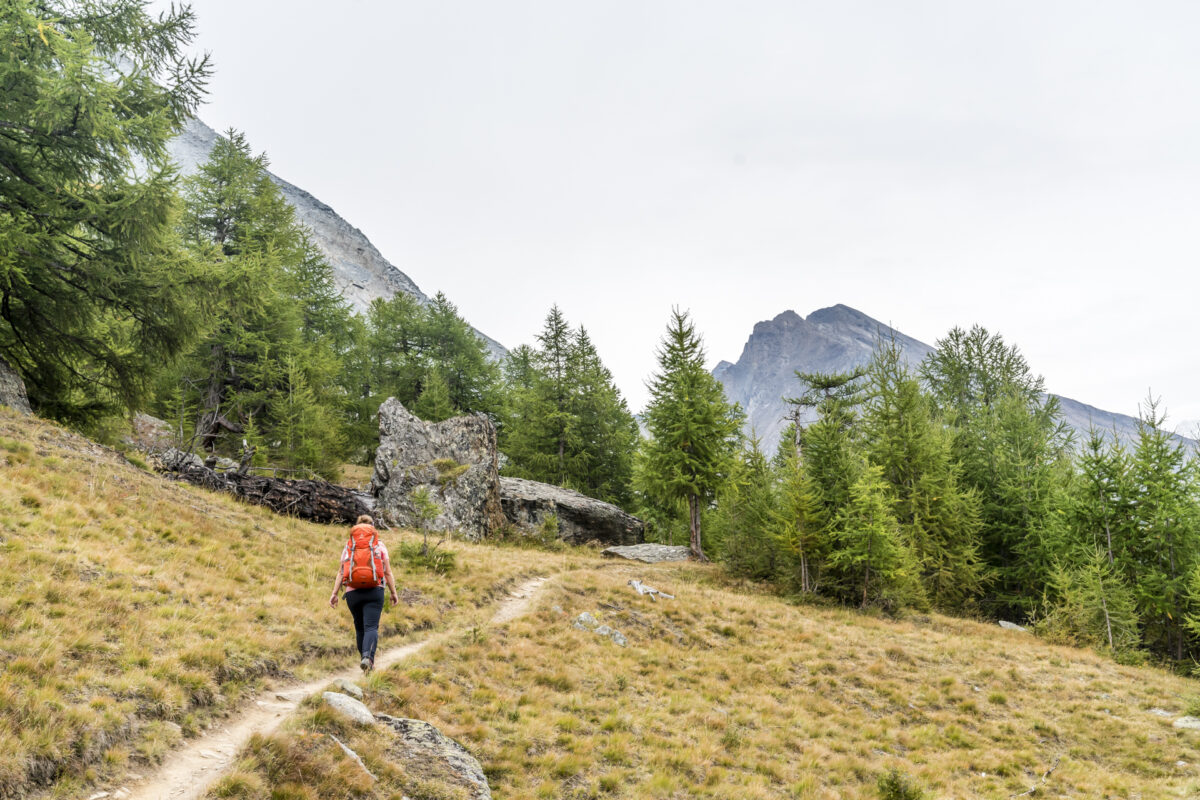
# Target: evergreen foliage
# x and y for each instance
(694, 430)
(566, 422)
(95, 292)
(1011, 443)
(938, 516)
(267, 366)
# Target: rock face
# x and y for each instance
(838, 339)
(527, 504)
(650, 553)
(12, 389)
(360, 270)
(427, 753)
(455, 460)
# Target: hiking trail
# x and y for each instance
(189, 772)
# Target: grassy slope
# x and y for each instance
(130, 606)
(134, 611)
(729, 695)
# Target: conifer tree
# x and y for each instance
(1094, 607)
(741, 525)
(938, 516)
(434, 403)
(261, 360)
(869, 553)
(1010, 440)
(694, 430)
(1166, 546)
(95, 292)
(565, 421)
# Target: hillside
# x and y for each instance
(838, 339)
(137, 613)
(362, 273)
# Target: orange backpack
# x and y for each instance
(364, 569)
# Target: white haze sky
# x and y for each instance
(1030, 166)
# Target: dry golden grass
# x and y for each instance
(134, 611)
(722, 694)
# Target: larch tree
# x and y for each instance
(95, 292)
(694, 430)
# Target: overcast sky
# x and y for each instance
(1030, 166)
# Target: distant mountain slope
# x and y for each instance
(360, 270)
(838, 339)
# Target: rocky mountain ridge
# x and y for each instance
(360, 270)
(838, 339)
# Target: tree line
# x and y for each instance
(952, 485)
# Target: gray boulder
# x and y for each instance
(1012, 626)
(150, 434)
(1187, 723)
(455, 460)
(650, 553)
(528, 504)
(12, 389)
(428, 753)
(348, 707)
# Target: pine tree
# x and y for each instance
(1095, 606)
(95, 292)
(694, 430)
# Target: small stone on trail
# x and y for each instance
(1187, 723)
(98, 796)
(209, 754)
(346, 687)
(349, 708)
(121, 794)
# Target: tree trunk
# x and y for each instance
(694, 523)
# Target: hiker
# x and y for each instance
(364, 570)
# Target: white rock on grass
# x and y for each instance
(346, 687)
(349, 708)
(1187, 723)
(1012, 626)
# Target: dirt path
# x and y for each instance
(190, 771)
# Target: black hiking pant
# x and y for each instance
(366, 605)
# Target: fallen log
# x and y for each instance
(318, 501)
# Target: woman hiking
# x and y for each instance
(364, 570)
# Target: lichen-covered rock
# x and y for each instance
(12, 389)
(528, 504)
(428, 753)
(454, 460)
(650, 553)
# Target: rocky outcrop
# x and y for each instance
(150, 434)
(529, 504)
(427, 753)
(454, 460)
(12, 389)
(650, 553)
